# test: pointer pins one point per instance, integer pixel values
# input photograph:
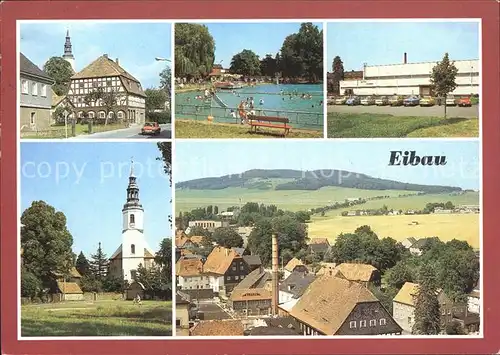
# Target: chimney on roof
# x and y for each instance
(105, 55)
(117, 61)
(275, 275)
(405, 58)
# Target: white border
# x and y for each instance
(131, 140)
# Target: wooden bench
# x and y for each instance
(270, 122)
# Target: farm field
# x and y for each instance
(445, 226)
(100, 318)
(292, 200)
(413, 202)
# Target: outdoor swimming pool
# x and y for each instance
(278, 100)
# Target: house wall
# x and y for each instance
(217, 283)
(194, 282)
(182, 316)
(34, 92)
(284, 297)
(34, 119)
(254, 307)
(403, 315)
(474, 304)
(406, 79)
(72, 297)
(235, 273)
(369, 318)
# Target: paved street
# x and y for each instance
(436, 111)
(211, 310)
(132, 132)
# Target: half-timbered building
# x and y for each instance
(108, 75)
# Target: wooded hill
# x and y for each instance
(282, 179)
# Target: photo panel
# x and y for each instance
(94, 79)
(249, 79)
(404, 78)
(320, 238)
(95, 240)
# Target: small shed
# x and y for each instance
(135, 288)
(68, 291)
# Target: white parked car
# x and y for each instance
(451, 100)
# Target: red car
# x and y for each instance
(152, 128)
(465, 102)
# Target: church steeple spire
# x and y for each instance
(132, 191)
(68, 51)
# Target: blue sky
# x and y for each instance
(203, 159)
(88, 182)
(262, 38)
(380, 43)
(135, 44)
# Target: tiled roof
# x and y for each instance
(229, 327)
(269, 331)
(252, 260)
(26, 66)
(319, 241)
(188, 267)
(106, 67)
(240, 251)
(73, 272)
(180, 239)
(220, 260)
(68, 287)
(292, 264)
(356, 272)
(328, 301)
(250, 294)
(56, 99)
(298, 282)
(326, 269)
(407, 293)
(255, 279)
(319, 248)
(196, 239)
(419, 244)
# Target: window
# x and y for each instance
(133, 273)
(409, 320)
(228, 278)
(443, 312)
(132, 249)
(177, 322)
(44, 90)
(108, 83)
(32, 118)
(373, 322)
(132, 219)
(382, 321)
(111, 114)
(94, 84)
(352, 324)
(102, 114)
(91, 114)
(24, 87)
(362, 324)
(81, 85)
(236, 277)
(120, 114)
(234, 267)
(34, 89)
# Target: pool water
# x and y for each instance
(283, 100)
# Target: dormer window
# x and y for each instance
(132, 249)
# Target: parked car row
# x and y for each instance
(398, 100)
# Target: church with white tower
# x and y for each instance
(134, 249)
(68, 52)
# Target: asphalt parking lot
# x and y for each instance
(435, 111)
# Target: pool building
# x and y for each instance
(408, 79)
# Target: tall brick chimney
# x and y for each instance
(275, 299)
(117, 61)
(405, 58)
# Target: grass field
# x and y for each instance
(292, 200)
(368, 125)
(201, 129)
(100, 318)
(445, 226)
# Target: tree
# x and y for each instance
(31, 285)
(245, 63)
(194, 50)
(113, 283)
(61, 72)
(199, 231)
(166, 82)
(165, 149)
(107, 100)
(82, 264)
(337, 75)
(155, 99)
(163, 259)
(427, 309)
(227, 237)
(89, 283)
(268, 66)
(443, 77)
(454, 328)
(398, 275)
(46, 242)
(99, 264)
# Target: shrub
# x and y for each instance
(160, 117)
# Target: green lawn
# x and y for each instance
(292, 200)
(201, 129)
(367, 125)
(100, 318)
(55, 132)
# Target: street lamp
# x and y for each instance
(471, 69)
